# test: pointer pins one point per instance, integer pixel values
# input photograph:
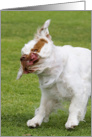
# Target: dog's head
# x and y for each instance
(35, 52)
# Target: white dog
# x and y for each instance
(63, 72)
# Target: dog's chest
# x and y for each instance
(56, 88)
(64, 90)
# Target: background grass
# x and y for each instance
(20, 98)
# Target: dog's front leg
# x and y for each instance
(77, 110)
(38, 118)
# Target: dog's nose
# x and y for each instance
(23, 58)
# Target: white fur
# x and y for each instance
(64, 73)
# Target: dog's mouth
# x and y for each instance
(28, 61)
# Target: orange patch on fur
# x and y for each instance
(39, 45)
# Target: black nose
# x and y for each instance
(22, 58)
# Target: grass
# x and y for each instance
(20, 98)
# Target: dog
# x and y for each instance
(64, 72)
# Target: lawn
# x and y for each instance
(19, 98)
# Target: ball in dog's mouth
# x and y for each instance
(27, 61)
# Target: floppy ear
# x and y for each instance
(20, 72)
(46, 24)
(43, 31)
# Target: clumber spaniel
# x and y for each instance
(64, 72)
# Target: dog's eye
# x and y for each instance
(35, 50)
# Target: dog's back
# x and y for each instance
(75, 67)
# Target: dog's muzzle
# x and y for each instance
(28, 61)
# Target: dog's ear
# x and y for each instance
(46, 24)
(20, 73)
(43, 31)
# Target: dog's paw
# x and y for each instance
(31, 123)
(34, 122)
(71, 124)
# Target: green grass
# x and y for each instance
(20, 98)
